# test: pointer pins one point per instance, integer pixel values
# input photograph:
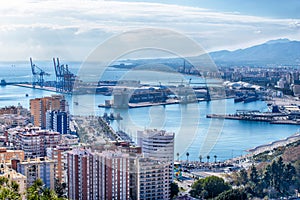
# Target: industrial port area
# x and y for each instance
(86, 133)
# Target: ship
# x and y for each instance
(238, 99)
(250, 99)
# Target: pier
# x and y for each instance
(50, 89)
(253, 115)
(4, 83)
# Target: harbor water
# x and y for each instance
(193, 131)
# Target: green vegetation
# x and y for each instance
(38, 192)
(60, 188)
(174, 190)
(231, 194)
(9, 190)
(290, 153)
(275, 180)
(209, 187)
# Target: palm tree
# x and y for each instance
(9, 189)
(177, 156)
(215, 156)
(37, 191)
(200, 159)
(187, 156)
(208, 157)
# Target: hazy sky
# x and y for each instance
(72, 29)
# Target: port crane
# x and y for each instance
(64, 77)
(37, 75)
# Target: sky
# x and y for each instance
(71, 30)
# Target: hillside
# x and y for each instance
(274, 52)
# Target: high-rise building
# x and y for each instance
(152, 179)
(114, 166)
(37, 168)
(39, 107)
(102, 175)
(57, 121)
(157, 144)
(154, 172)
(59, 155)
(35, 142)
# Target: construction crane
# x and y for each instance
(37, 75)
(64, 78)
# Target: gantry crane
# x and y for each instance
(64, 78)
(37, 75)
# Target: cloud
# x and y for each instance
(83, 24)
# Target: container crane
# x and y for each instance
(64, 77)
(37, 75)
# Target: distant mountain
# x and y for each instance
(274, 52)
(271, 53)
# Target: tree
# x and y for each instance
(187, 156)
(174, 190)
(278, 179)
(200, 158)
(9, 190)
(289, 179)
(60, 188)
(232, 194)
(215, 156)
(240, 178)
(208, 157)
(177, 156)
(209, 187)
(34, 191)
(254, 177)
(266, 180)
(243, 177)
(37, 191)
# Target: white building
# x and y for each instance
(157, 144)
(155, 168)
(34, 141)
(153, 179)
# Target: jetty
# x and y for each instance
(252, 115)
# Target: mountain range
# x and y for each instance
(274, 52)
(280, 52)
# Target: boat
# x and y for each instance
(238, 99)
(250, 99)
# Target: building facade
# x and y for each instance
(153, 179)
(157, 144)
(38, 168)
(154, 172)
(59, 155)
(12, 175)
(58, 121)
(102, 175)
(39, 107)
(35, 142)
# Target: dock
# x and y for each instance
(288, 122)
(252, 115)
(255, 115)
(148, 104)
(50, 89)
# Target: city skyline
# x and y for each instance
(150, 99)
